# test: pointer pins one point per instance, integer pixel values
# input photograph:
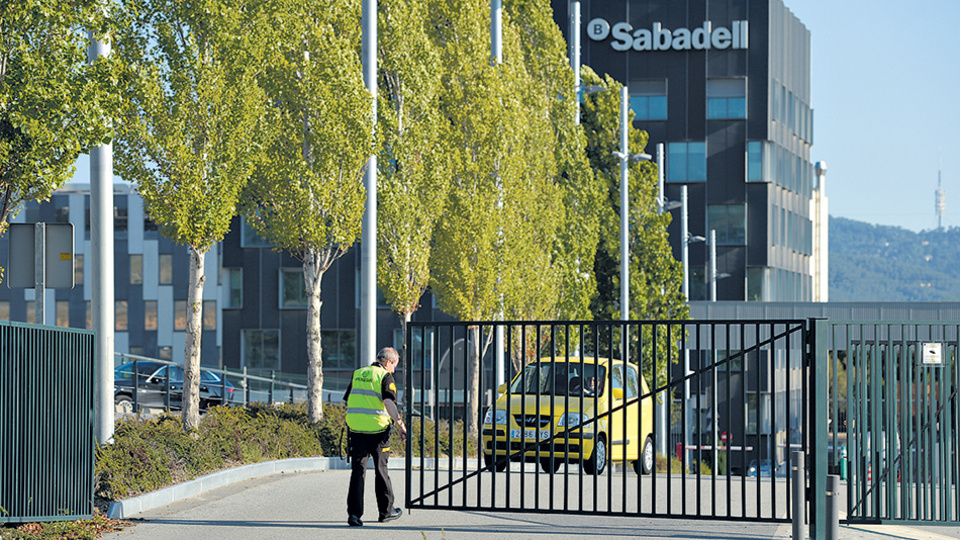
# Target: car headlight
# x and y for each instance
(501, 417)
(572, 420)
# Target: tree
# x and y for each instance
(308, 195)
(414, 177)
(494, 248)
(54, 106)
(189, 132)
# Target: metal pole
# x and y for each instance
(661, 200)
(368, 261)
(575, 52)
(101, 270)
(39, 258)
(798, 491)
(685, 242)
(713, 265)
(496, 32)
(624, 209)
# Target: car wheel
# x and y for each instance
(598, 460)
(124, 405)
(550, 466)
(498, 465)
(647, 458)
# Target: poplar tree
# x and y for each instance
(189, 134)
(414, 175)
(54, 105)
(494, 246)
(308, 195)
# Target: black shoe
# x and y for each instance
(391, 516)
(354, 521)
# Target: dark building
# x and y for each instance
(724, 85)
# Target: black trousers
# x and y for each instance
(376, 445)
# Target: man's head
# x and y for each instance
(389, 358)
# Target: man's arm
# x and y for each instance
(389, 395)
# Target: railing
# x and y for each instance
(240, 387)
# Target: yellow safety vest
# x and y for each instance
(365, 410)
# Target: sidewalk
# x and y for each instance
(313, 505)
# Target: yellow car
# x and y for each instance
(565, 402)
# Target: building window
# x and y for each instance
(417, 355)
(119, 219)
(78, 269)
(136, 269)
(233, 278)
(727, 98)
(249, 237)
(687, 162)
(179, 314)
(758, 161)
(293, 291)
(730, 222)
(261, 349)
(209, 315)
(648, 99)
(63, 313)
(31, 312)
(149, 314)
(120, 320)
(4, 310)
(339, 348)
(166, 269)
(89, 311)
(756, 284)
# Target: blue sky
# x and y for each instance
(886, 100)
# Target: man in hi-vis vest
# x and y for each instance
(371, 408)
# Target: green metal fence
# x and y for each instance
(46, 422)
(894, 406)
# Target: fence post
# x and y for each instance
(799, 478)
(273, 378)
(246, 388)
(817, 372)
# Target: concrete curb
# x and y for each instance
(165, 496)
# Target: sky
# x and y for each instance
(886, 99)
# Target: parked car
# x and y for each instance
(551, 398)
(152, 386)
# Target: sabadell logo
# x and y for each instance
(658, 38)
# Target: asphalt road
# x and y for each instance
(312, 505)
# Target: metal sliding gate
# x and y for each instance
(894, 406)
(679, 419)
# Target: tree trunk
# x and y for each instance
(473, 378)
(312, 273)
(191, 363)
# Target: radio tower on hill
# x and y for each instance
(941, 196)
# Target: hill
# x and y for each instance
(872, 263)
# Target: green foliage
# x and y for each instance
(148, 454)
(53, 105)
(876, 263)
(413, 175)
(675, 466)
(189, 133)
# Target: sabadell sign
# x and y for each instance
(658, 38)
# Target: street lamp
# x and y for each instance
(625, 158)
(714, 276)
(687, 239)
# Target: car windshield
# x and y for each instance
(560, 379)
(144, 368)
